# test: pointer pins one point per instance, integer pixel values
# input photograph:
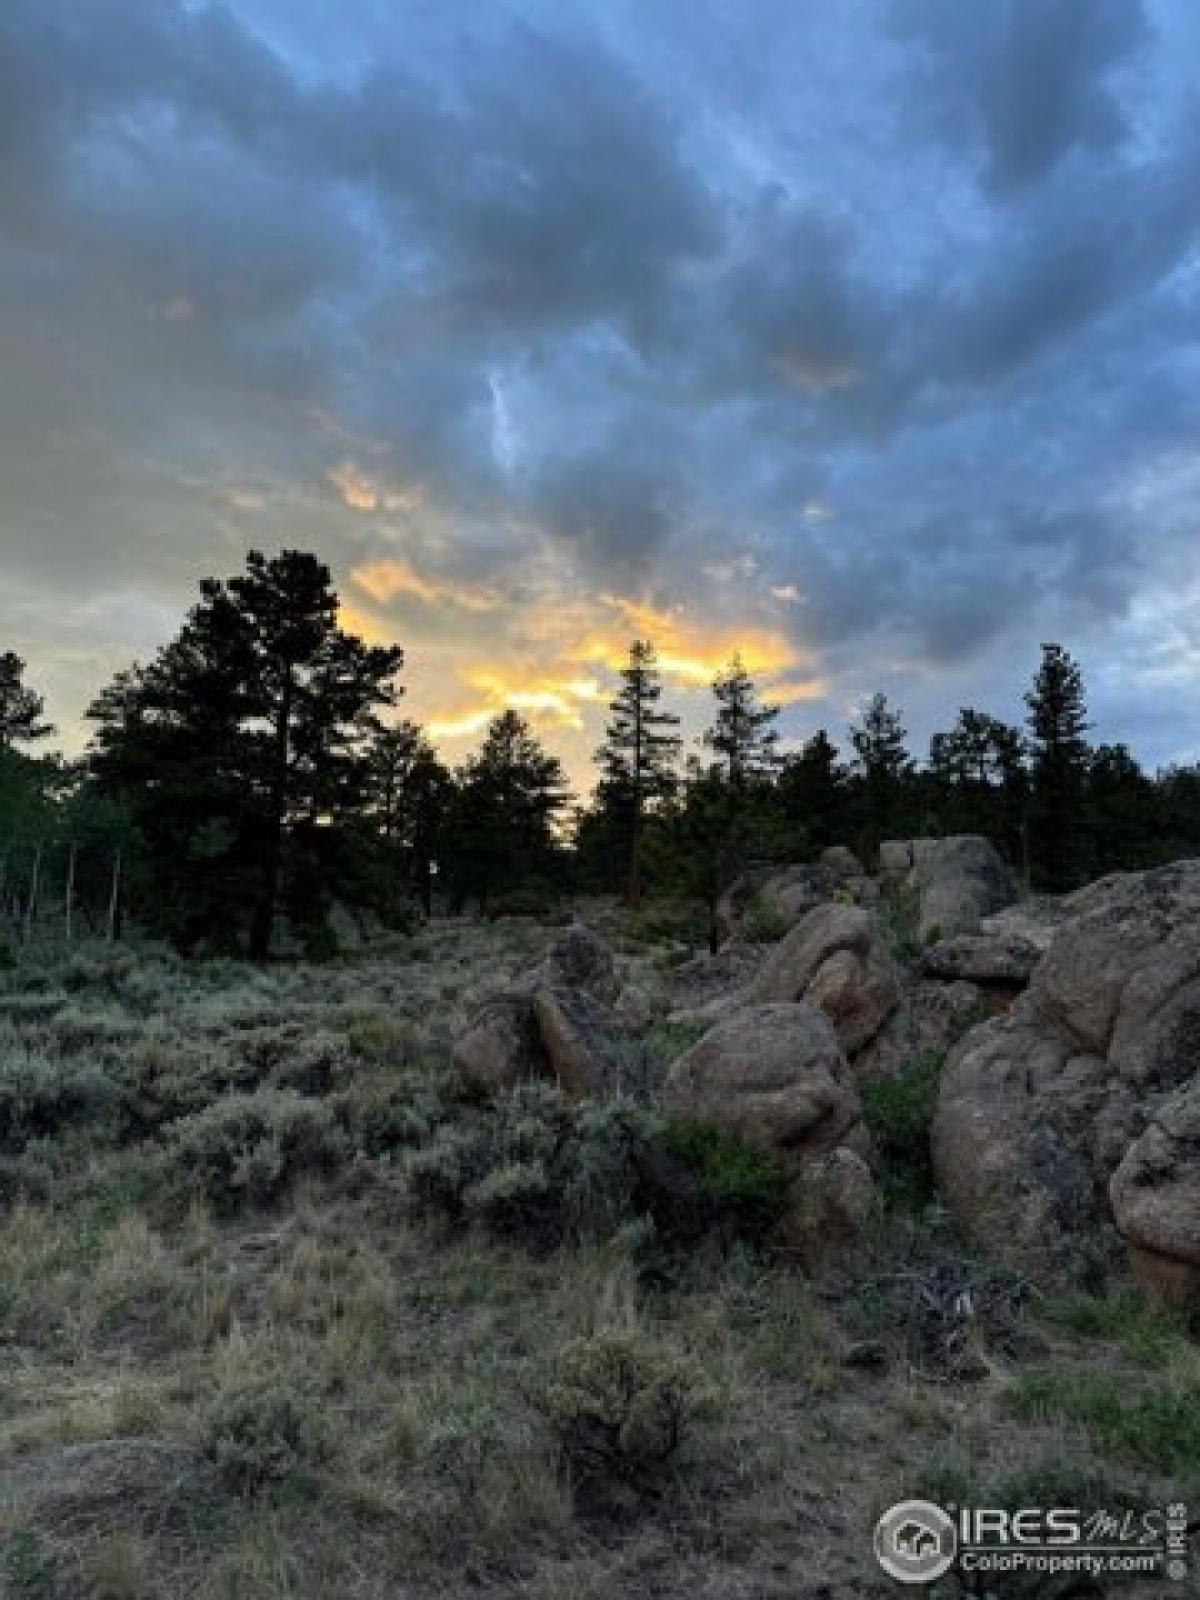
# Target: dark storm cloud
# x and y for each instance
(1030, 80)
(883, 310)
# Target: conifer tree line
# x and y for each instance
(257, 776)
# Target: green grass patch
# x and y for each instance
(1157, 1425)
(764, 922)
(898, 1110)
(744, 1181)
(1154, 1335)
(667, 1040)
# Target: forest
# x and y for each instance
(258, 773)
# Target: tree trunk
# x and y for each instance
(633, 878)
(31, 903)
(69, 897)
(114, 898)
(264, 913)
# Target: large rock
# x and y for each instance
(992, 958)
(1080, 1108)
(588, 1050)
(788, 892)
(773, 1074)
(835, 960)
(960, 880)
(828, 1204)
(842, 862)
(1155, 1194)
(500, 1046)
(553, 1020)
(1010, 1140)
(577, 959)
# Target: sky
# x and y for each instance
(862, 336)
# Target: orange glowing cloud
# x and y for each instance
(795, 692)
(361, 493)
(393, 577)
(690, 651)
(363, 625)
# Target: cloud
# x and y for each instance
(859, 337)
(1032, 79)
(386, 580)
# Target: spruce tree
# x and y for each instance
(637, 758)
(884, 768)
(1057, 724)
(744, 735)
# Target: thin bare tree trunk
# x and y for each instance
(31, 903)
(114, 898)
(70, 894)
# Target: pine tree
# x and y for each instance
(812, 791)
(241, 742)
(503, 837)
(978, 780)
(884, 768)
(703, 840)
(743, 735)
(409, 796)
(637, 758)
(1057, 723)
(21, 709)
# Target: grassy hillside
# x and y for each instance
(284, 1315)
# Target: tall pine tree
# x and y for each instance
(884, 768)
(1057, 724)
(503, 834)
(637, 758)
(743, 735)
(241, 743)
(812, 792)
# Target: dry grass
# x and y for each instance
(380, 1380)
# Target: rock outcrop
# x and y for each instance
(1006, 960)
(835, 960)
(774, 1075)
(787, 892)
(500, 1045)
(554, 1021)
(828, 1204)
(1155, 1195)
(959, 880)
(1076, 1117)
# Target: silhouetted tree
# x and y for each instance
(743, 735)
(979, 780)
(884, 768)
(703, 841)
(812, 788)
(410, 799)
(21, 710)
(502, 835)
(636, 760)
(1123, 809)
(241, 740)
(1057, 724)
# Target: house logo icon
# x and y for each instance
(915, 1542)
